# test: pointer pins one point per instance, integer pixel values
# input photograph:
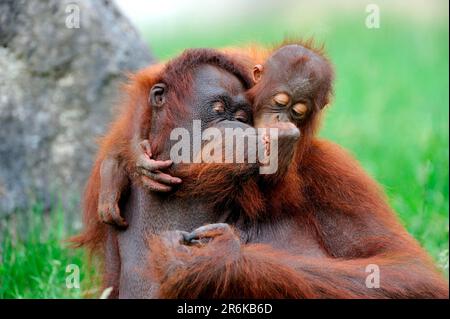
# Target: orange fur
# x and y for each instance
(133, 124)
(352, 223)
(120, 141)
(259, 271)
(325, 192)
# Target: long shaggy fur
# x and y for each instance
(325, 190)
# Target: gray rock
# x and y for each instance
(58, 88)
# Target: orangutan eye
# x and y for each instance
(300, 109)
(218, 106)
(282, 99)
(241, 116)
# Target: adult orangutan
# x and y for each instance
(171, 96)
(307, 232)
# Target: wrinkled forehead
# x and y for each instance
(208, 79)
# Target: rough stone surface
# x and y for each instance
(58, 88)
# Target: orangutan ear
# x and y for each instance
(257, 72)
(157, 96)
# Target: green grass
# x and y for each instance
(34, 265)
(390, 110)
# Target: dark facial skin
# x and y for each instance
(220, 97)
(289, 84)
(286, 94)
(151, 213)
(217, 99)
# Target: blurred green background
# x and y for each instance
(391, 110)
